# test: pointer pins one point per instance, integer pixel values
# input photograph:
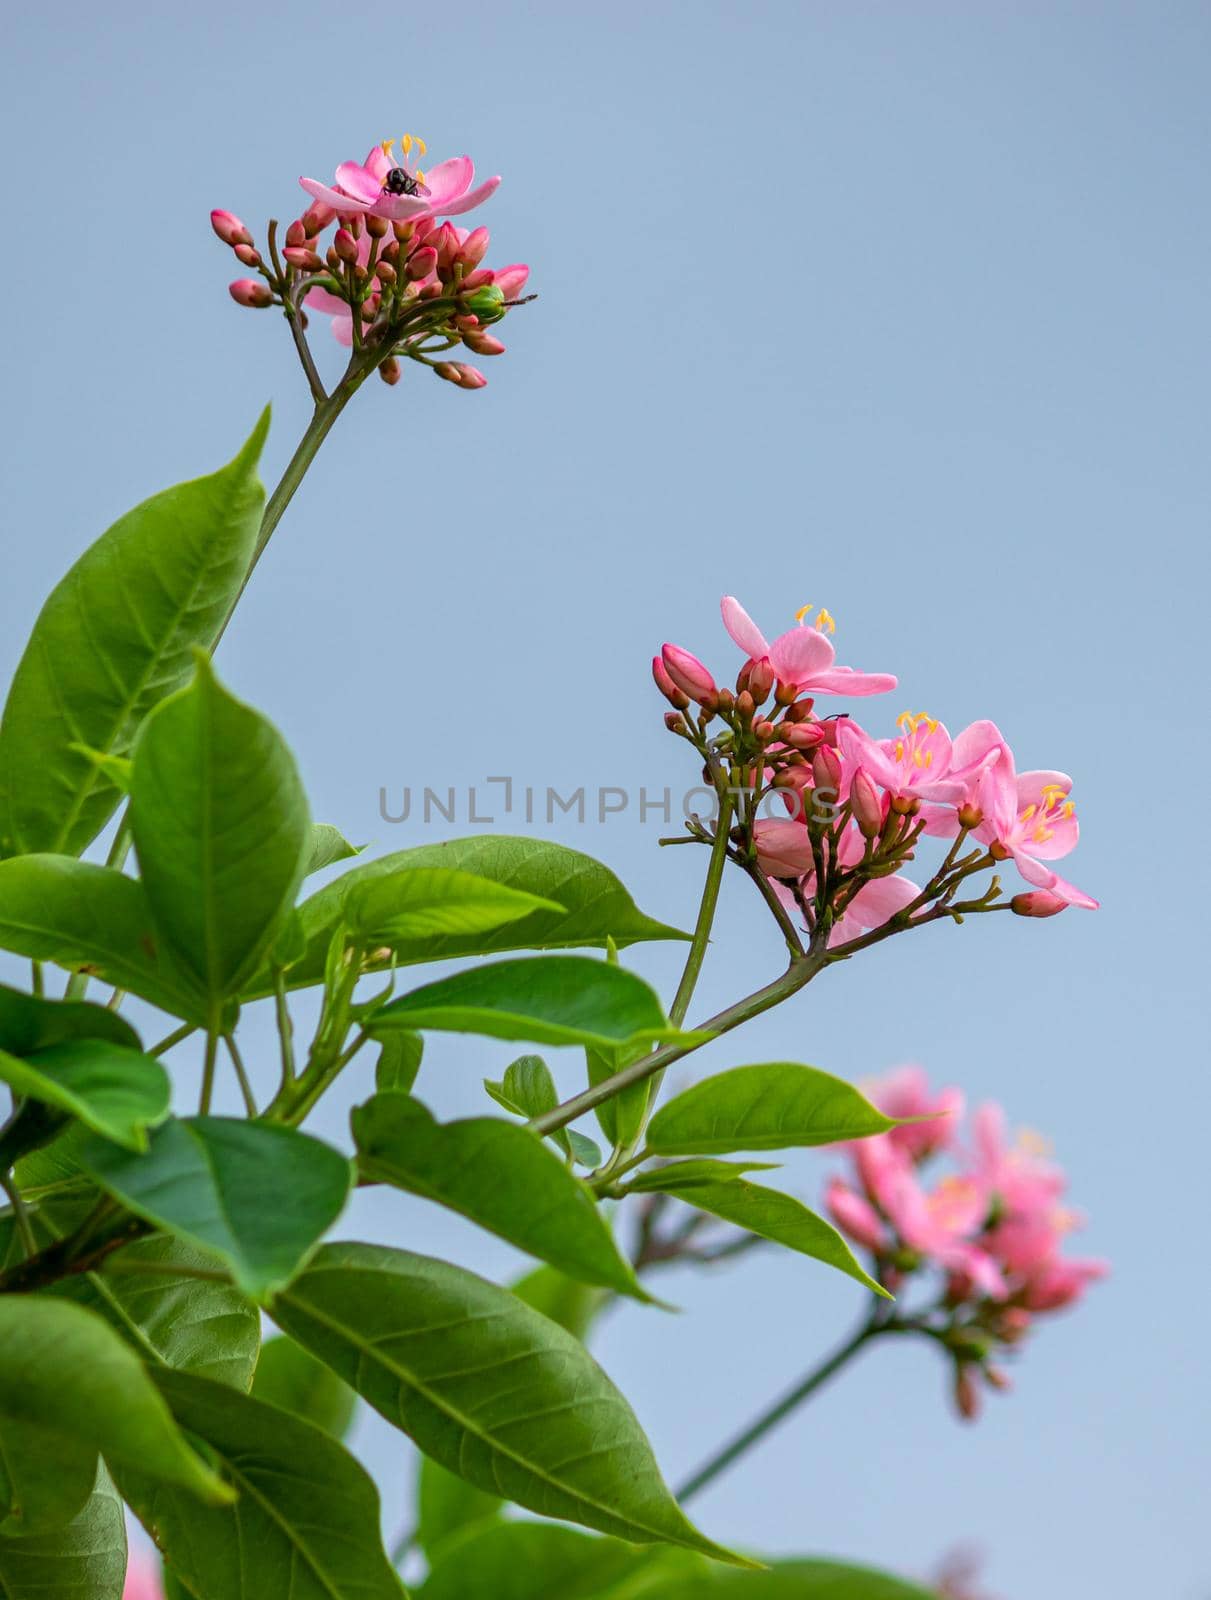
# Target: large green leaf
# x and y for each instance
(673, 1175)
(767, 1107)
(547, 999)
(29, 1023)
(597, 906)
(535, 1561)
(328, 846)
(86, 1560)
(306, 1521)
(290, 1377)
(92, 919)
(221, 829)
(399, 1060)
(115, 637)
(62, 1369)
(573, 1305)
(257, 1194)
(431, 902)
(487, 1387)
(46, 1478)
(787, 1580)
(780, 1218)
(621, 1118)
(116, 1091)
(499, 1175)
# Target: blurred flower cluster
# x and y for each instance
(396, 282)
(831, 814)
(987, 1234)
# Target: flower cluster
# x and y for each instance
(992, 1228)
(395, 280)
(851, 808)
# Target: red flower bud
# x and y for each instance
(389, 371)
(421, 262)
(384, 272)
(868, 808)
(483, 344)
(477, 279)
(802, 735)
(248, 292)
(473, 249)
(229, 228)
(345, 245)
(690, 676)
(376, 227)
(460, 373)
(760, 680)
(247, 255)
(826, 770)
(801, 711)
(296, 233)
(668, 688)
(1038, 903)
(316, 218)
(303, 258)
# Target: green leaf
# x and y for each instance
(429, 902)
(487, 1387)
(328, 846)
(29, 1023)
(547, 999)
(93, 919)
(45, 1478)
(621, 1118)
(528, 1090)
(221, 829)
(399, 1060)
(305, 1524)
(86, 1560)
(532, 1561)
(257, 1194)
(115, 637)
(767, 1107)
(676, 1175)
(573, 1305)
(597, 906)
(500, 1176)
(63, 1370)
(585, 1152)
(782, 1219)
(290, 1377)
(191, 1324)
(447, 1505)
(788, 1580)
(114, 1090)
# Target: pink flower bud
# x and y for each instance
(970, 816)
(801, 711)
(673, 722)
(473, 249)
(802, 735)
(826, 770)
(667, 687)
(460, 373)
(484, 344)
(316, 218)
(248, 292)
(229, 228)
(690, 676)
(868, 808)
(855, 1215)
(477, 279)
(296, 233)
(376, 227)
(247, 255)
(389, 371)
(1038, 903)
(760, 680)
(966, 1392)
(384, 272)
(300, 256)
(421, 262)
(345, 245)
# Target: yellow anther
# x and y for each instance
(419, 175)
(1068, 809)
(906, 721)
(421, 146)
(918, 760)
(802, 611)
(1042, 833)
(825, 621)
(405, 144)
(929, 757)
(387, 146)
(899, 749)
(1028, 813)
(1053, 792)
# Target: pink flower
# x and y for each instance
(905, 1092)
(445, 190)
(142, 1579)
(855, 1216)
(922, 762)
(784, 848)
(784, 851)
(1031, 818)
(803, 658)
(1061, 1283)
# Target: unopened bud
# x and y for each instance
(483, 344)
(333, 260)
(998, 1378)
(229, 228)
(905, 805)
(802, 735)
(999, 851)
(760, 680)
(296, 233)
(248, 292)
(465, 324)
(668, 688)
(481, 278)
(1038, 903)
(389, 371)
(303, 258)
(744, 705)
(727, 700)
(474, 248)
(404, 231)
(801, 711)
(317, 217)
(390, 252)
(247, 255)
(421, 262)
(345, 245)
(966, 1393)
(826, 769)
(384, 272)
(690, 676)
(376, 227)
(868, 808)
(460, 373)
(784, 693)
(763, 730)
(970, 816)
(488, 302)
(673, 722)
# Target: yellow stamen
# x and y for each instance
(387, 146)
(420, 177)
(825, 621)
(405, 144)
(1068, 809)
(907, 721)
(917, 759)
(802, 611)
(899, 749)
(1053, 792)
(929, 758)
(1042, 833)
(421, 146)
(1028, 813)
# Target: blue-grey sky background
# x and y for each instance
(898, 308)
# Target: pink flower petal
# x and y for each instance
(844, 680)
(359, 183)
(332, 197)
(743, 629)
(800, 655)
(468, 202)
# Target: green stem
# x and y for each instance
(212, 1051)
(172, 1038)
(769, 1419)
(706, 914)
(237, 1062)
(20, 1215)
